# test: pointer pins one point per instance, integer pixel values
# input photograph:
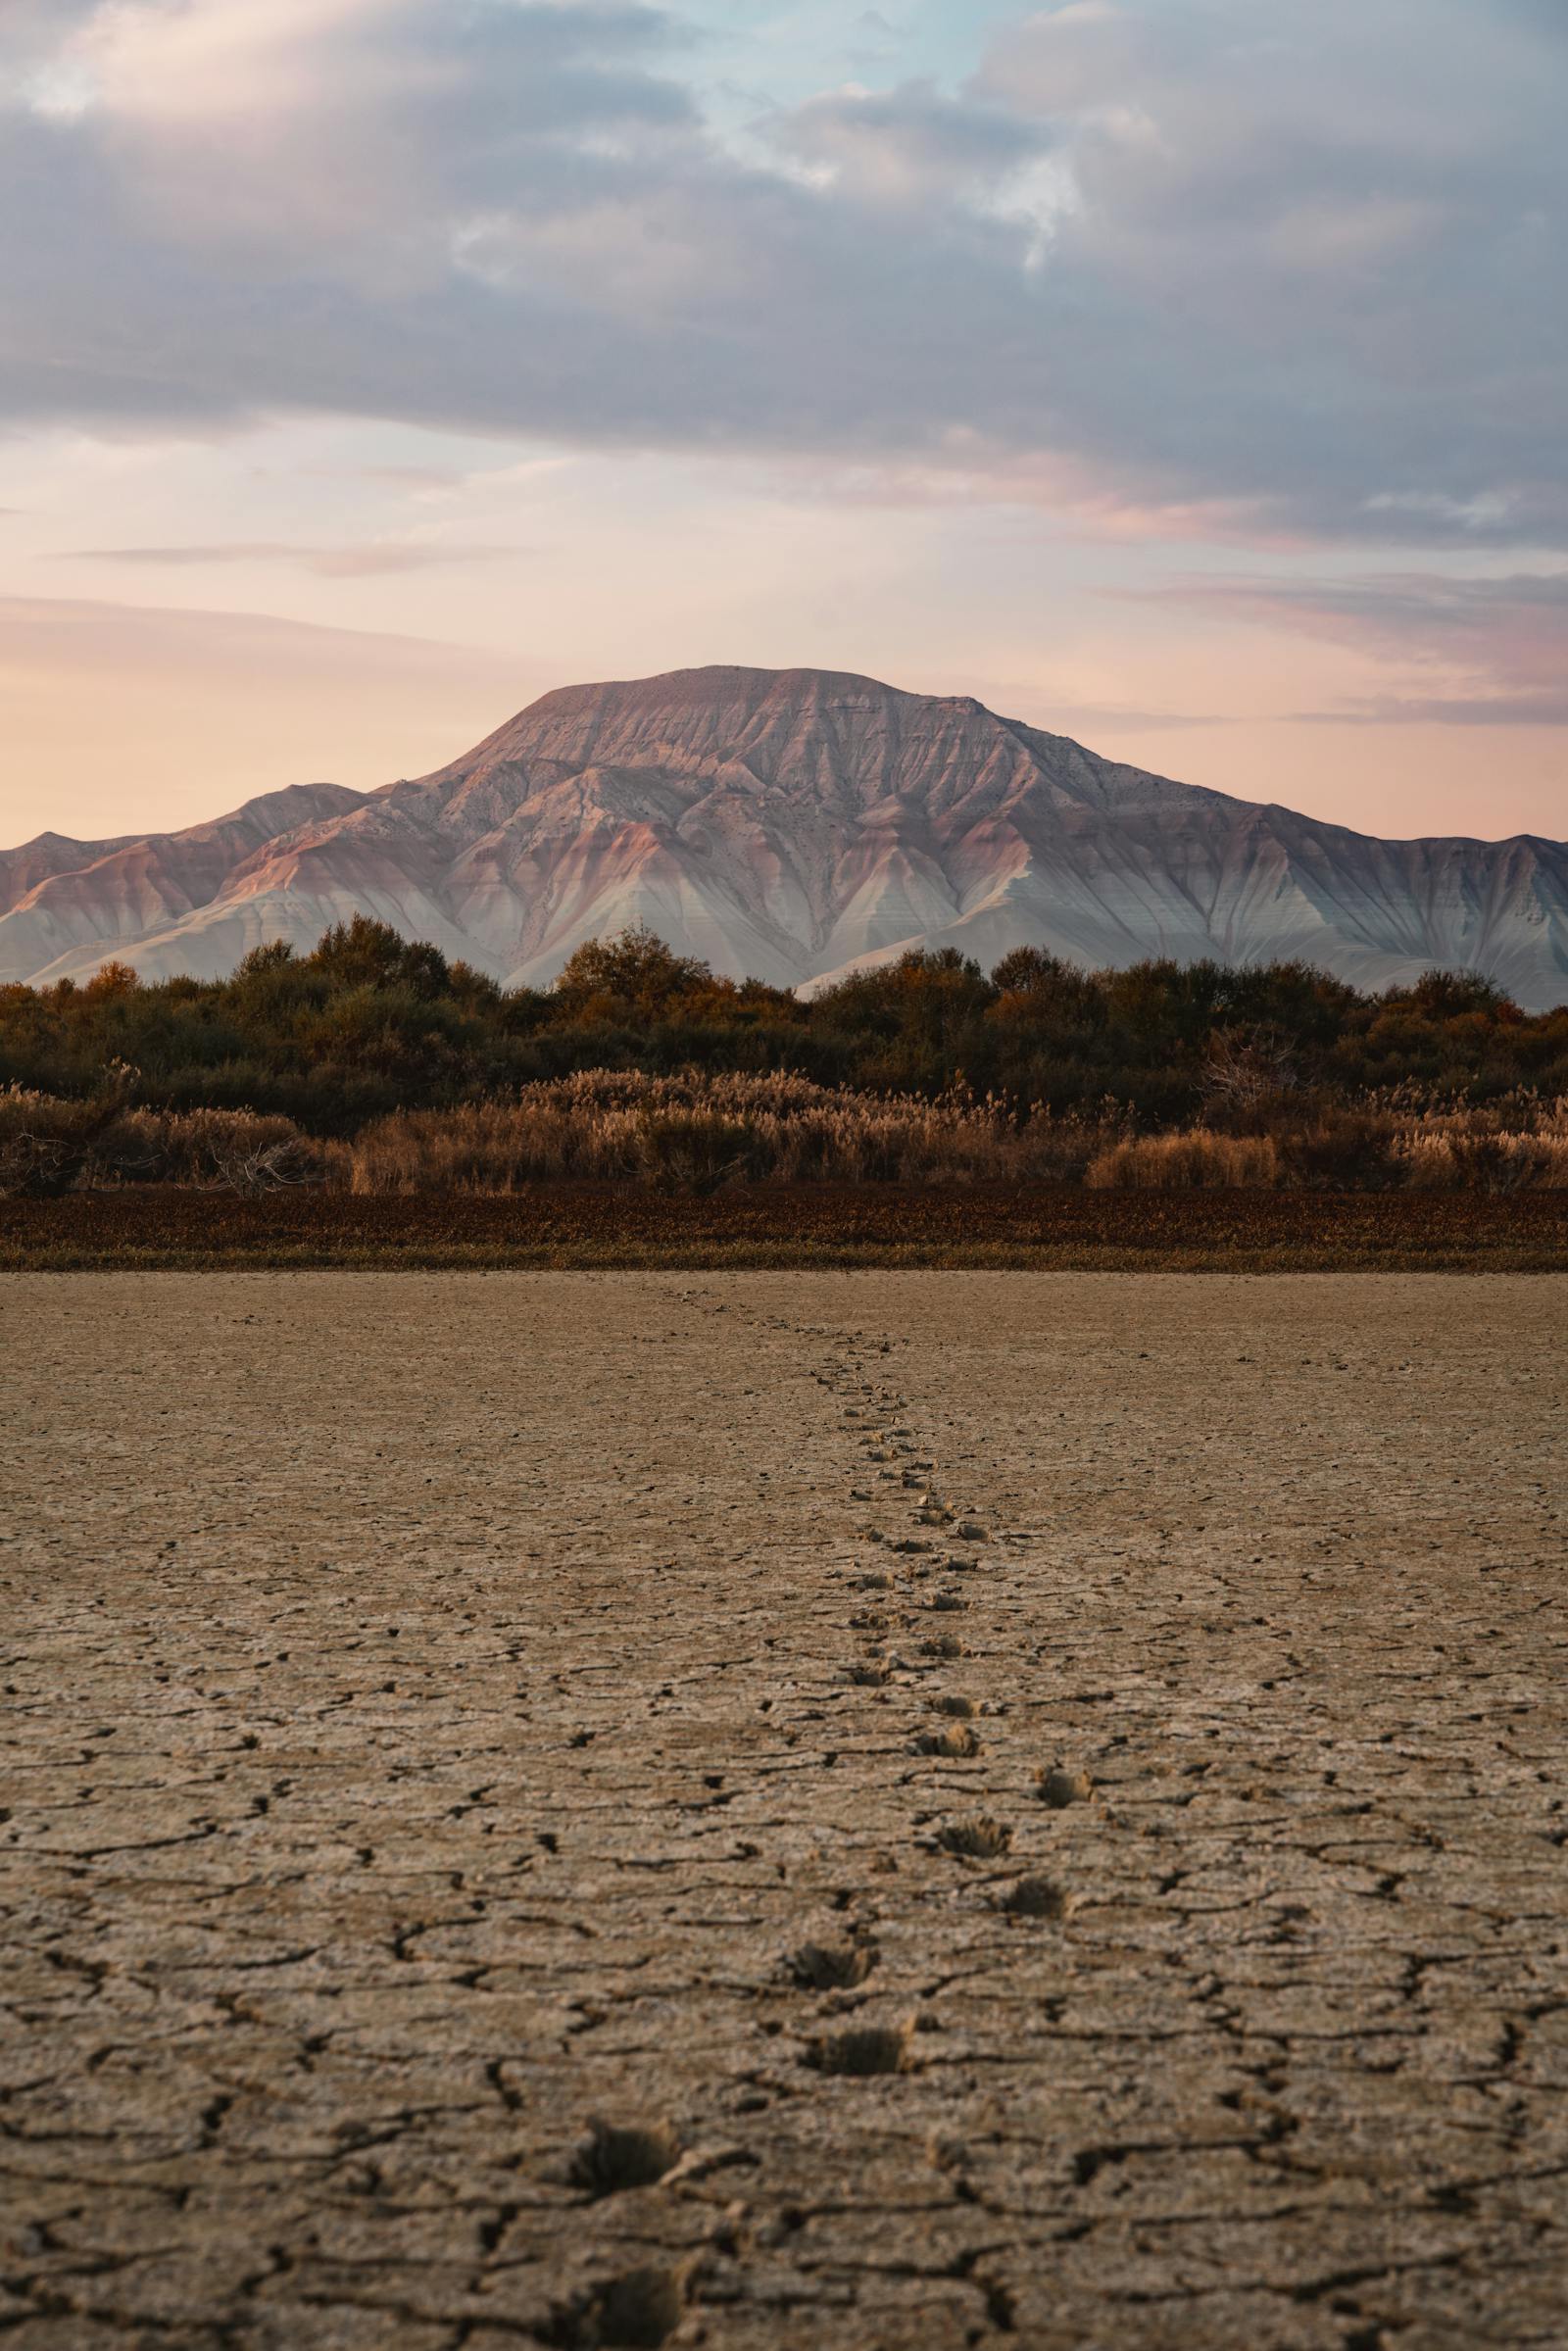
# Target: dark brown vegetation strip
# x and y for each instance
(978, 1225)
(369, 1023)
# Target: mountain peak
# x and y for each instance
(718, 684)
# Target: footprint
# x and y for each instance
(641, 2308)
(616, 2156)
(832, 1967)
(1036, 1898)
(1061, 1787)
(956, 1741)
(979, 1838)
(863, 2049)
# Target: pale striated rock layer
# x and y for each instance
(790, 824)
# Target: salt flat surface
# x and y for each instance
(429, 1726)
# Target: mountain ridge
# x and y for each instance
(789, 825)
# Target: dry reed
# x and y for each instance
(696, 1133)
(1199, 1161)
(699, 1134)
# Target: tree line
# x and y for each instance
(368, 1022)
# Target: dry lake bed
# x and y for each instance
(524, 1824)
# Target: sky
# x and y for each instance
(1188, 377)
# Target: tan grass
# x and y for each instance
(697, 1133)
(1198, 1162)
(1512, 1147)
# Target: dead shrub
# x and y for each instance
(49, 1147)
(1248, 1070)
(47, 1144)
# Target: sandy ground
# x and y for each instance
(442, 1710)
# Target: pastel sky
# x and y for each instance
(1187, 375)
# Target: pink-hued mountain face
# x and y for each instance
(789, 825)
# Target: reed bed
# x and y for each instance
(699, 1134)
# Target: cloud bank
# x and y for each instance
(1297, 269)
(1495, 650)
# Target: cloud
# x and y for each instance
(908, 145)
(1312, 261)
(344, 139)
(1301, 266)
(368, 562)
(1086, 718)
(1475, 652)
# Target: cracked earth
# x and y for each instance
(826, 1813)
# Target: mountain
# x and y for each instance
(66, 906)
(789, 825)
